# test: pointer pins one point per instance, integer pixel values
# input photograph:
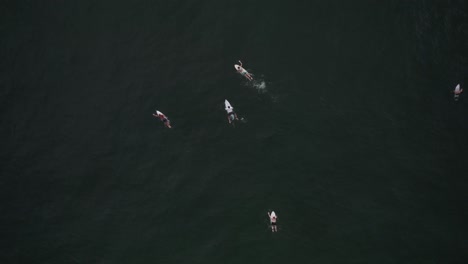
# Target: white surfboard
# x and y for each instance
(243, 72)
(161, 114)
(227, 105)
(272, 214)
(456, 92)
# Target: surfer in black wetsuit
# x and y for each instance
(231, 115)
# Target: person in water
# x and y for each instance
(231, 115)
(244, 72)
(457, 92)
(163, 118)
(273, 219)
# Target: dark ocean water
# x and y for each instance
(351, 134)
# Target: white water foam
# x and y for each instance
(260, 86)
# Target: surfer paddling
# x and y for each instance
(231, 115)
(242, 71)
(163, 118)
(273, 219)
(457, 92)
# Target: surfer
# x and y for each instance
(273, 219)
(457, 92)
(231, 115)
(242, 71)
(163, 118)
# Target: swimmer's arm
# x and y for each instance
(155, 115)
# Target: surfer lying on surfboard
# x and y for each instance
(231, 115)
(242, 71)
(163, 118)
(457, 92)
(273, 218)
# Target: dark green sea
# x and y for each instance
(350, 133)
